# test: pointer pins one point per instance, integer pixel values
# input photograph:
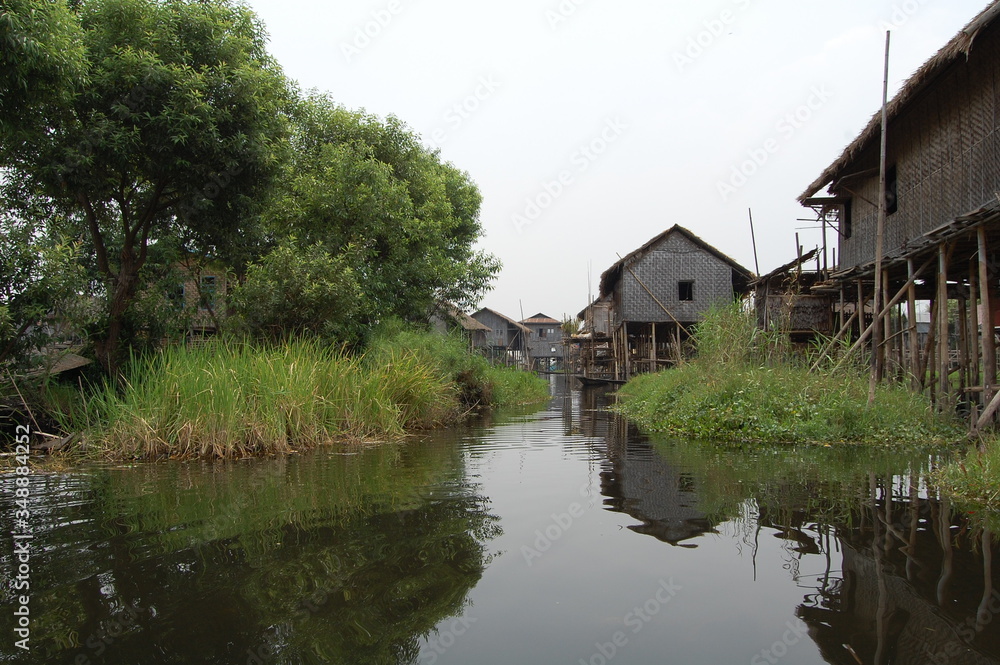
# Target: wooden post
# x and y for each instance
(944, 384)
(974, 355)
(989, 345)
(911, 314)
(652, 350)
(878, 355)
(963, 347)
(889, 343)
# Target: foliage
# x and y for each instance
(41, 61)
(974, 478)
(480, 383)
(294, 291)
(407, 221)
(175, 134)
(43, 290)
(730, 392)
(229, 399)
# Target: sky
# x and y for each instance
(592, 126)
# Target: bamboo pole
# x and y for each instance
(878, 353)
(836, 338)
(986, 324)
(974, 355)
(911, 314)
(944, 385)
(895, 299)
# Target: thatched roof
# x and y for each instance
(958, 48)
(614, 273)
(465, 321)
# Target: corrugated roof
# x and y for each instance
(953, 51)
(509, 320)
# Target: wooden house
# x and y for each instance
(591, 351)
(784, 302)
(545, 342)
(507, 340)
(448, 319)
(659, 292)
(200, 297)
(942, 224)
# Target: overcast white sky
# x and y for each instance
(617, 119)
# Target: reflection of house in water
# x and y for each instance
(640, 483)
(909, 593)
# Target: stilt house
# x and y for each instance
(507, 341)
(545, 343)
(942, 225)
(660, 291)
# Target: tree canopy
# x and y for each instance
(163, 128)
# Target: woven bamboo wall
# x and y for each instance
(946, 149)
(674, 259)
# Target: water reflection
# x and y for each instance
(904, 577)
(328, 558)
(792, 554)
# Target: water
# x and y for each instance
(558, 536)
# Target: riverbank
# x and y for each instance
(742, 388)
(231, 400)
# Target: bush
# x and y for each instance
(737, 391)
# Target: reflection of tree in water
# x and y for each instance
(312, 560)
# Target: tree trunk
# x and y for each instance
(122, 291)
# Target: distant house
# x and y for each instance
(941, 204)
(449, 319)
(659, 292)
(590, 350)
(507, 341)
(545, 343)
(200, 297)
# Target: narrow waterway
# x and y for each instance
(556, 536)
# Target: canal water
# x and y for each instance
(553, 536)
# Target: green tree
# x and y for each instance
(411, 221)
(176, 133)
(41, 61)
(293, 291)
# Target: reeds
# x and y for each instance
(237, 399)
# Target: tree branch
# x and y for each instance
(95, 232)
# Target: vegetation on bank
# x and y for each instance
(974, 478)
(230, 400)
(743, 387)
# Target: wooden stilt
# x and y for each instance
(986, 292)
(974, 346)
(963, 347)
(944, 385)
(911, 315)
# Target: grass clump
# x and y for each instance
(479, 383)
(230, 400)
(974, 479)
(743, 387)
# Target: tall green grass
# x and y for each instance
(230, 400)
(744, 387)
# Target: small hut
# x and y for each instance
(545, 343)
(507, 340)
(659, 292)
